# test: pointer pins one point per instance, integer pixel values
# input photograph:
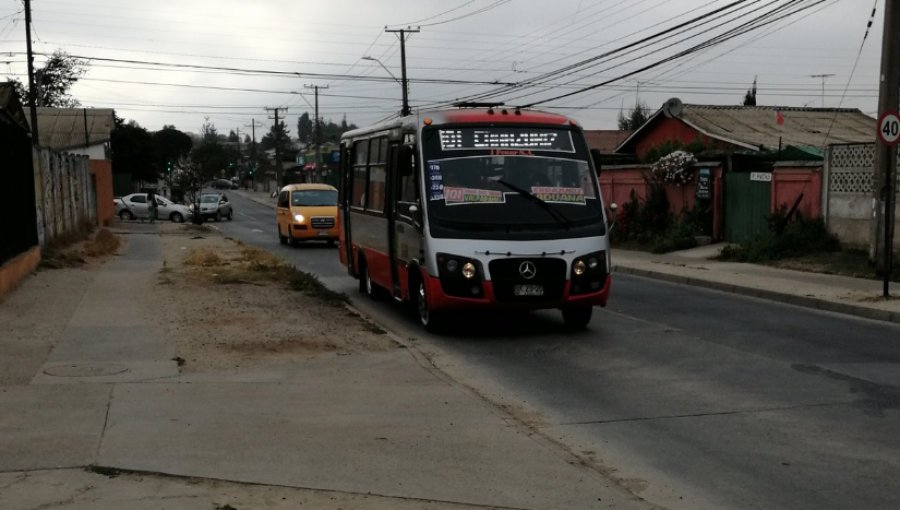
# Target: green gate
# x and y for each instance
(747, 205)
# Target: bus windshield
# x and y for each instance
(510, 179)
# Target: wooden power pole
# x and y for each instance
(405, 109)
(275, 132)
(886, 154)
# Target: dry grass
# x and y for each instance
(77, 249)
(203, 257)
(246, 265)
(104, 243)
(229, 305)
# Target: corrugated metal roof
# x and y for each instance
(757, 128)
(758, 125)
(605, 140)
(67, 128)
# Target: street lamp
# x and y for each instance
(405, 108)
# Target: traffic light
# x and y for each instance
(168, 167)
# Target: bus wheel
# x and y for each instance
(429, 319)
(577, 318)
(281, 239)
(368, 287)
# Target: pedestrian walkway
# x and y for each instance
(855, 296)
(383, 429)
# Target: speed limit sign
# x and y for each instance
(889, 127)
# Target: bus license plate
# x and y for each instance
(528, 290)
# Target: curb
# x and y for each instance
(803, 301)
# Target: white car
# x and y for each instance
(214, 206)
(134, 206)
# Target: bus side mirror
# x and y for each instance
(612, 215)
(414, 213)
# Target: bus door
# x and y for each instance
(345, 183)
(405, 215)
(393, 177)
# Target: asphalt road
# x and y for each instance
(691, 398)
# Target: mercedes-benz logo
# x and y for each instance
(527, 269)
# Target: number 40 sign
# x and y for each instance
(889, 127)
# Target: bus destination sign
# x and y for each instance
(506, 138)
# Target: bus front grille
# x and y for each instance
(511, 276)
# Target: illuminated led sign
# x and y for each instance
(506, 138)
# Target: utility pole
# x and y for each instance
(253, 155)
(408, 30)
(886, 154)
(317, 134)
(32, 90)
(240, 157)
(277, 152)
(823, 76)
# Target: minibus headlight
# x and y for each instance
(593, 262)
(468, 270)
(452, 265)
(579, 267)
(299, 218)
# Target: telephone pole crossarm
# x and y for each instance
(403, 31)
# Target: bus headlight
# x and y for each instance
(299, 218)
(579, 267)
(460, 276)
(588, 273)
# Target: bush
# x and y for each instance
(796, 238)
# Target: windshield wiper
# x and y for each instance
(553, 211)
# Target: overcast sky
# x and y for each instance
(181, 62)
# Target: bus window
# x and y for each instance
(377, 174)
(361, 155)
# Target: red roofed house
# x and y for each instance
(760, 158)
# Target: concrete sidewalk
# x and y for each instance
(854, 296)
(841, 294)
(378, 430)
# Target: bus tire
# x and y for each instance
(429, 319)
(577, 317)
(370, 288)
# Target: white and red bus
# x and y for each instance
(475, 208)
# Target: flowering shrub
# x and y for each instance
(674, 168)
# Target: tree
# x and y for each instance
(638, 116)
(134, 151)
(208, 132)
(750, 96)
(279, 134)
(305, 129)
(210, 159)
(332, 132)
(54, 80)
(172, 145)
